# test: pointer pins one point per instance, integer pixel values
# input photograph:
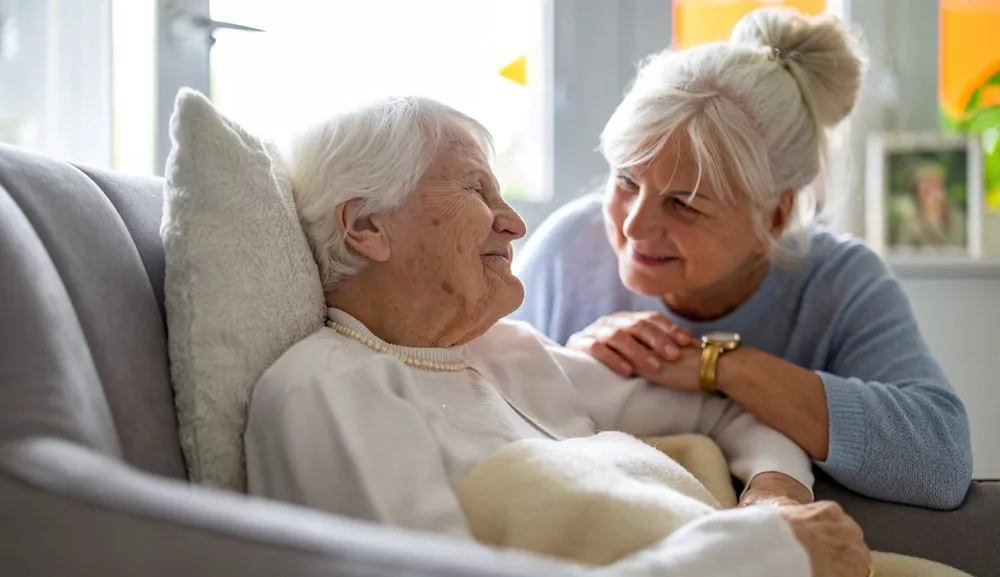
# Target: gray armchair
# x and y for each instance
(91, 475)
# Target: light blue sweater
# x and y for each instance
(898, 431)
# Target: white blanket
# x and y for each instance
(596, 500)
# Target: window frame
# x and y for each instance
(182, 60)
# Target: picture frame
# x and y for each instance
(924, 195)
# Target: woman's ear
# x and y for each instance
(366, 235)
(782, 213)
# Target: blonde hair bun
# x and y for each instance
(819, 51)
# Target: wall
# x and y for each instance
(959, 316)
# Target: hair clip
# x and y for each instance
(783, 58)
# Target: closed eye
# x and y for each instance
(626, 181)
(477, 189)
(682, 205)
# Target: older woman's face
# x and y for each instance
(454, 239)
(669, 242)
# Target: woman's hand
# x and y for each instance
(835, 543)
(773, 489)
(632, 343)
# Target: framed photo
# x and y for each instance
(924, 195)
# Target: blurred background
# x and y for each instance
(93, 81)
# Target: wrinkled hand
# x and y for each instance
(632, 343)
(835, 543)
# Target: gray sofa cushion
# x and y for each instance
(48, 383)
(139, 202)
(111, 294)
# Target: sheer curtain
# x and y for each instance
(55, 77)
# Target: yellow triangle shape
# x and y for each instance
(516, 71)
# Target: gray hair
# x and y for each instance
(756, 109)
(375, 153)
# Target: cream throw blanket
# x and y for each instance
(594, 500)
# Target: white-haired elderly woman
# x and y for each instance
(700, 234)
(416, 378)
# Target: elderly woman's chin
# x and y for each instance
(509, 294)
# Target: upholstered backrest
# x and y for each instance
(82, 333)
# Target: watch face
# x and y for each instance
(722, 338)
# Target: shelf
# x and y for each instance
(943, 266)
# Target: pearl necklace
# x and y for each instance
(381, 347)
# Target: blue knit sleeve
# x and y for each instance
(897, 429)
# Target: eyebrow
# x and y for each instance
(482, 174)
(688, 194)
(478, 173)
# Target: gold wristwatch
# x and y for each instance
(713, 345)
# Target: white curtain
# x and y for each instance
(55, 78)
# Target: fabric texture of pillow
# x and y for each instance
(241, 284)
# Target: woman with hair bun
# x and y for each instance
(700, 266)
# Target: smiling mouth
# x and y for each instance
(651, 260)
(506, 255)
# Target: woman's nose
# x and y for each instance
(642, 220)
(507, 221)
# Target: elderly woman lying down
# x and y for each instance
(415, 378)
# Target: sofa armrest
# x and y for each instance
(967, 538)
(67, 510)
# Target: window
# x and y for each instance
(54, 78)
(969, 81)
(133, 85)
(481, 57)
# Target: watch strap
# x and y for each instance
(710, 354)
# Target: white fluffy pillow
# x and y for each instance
(241, 283)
